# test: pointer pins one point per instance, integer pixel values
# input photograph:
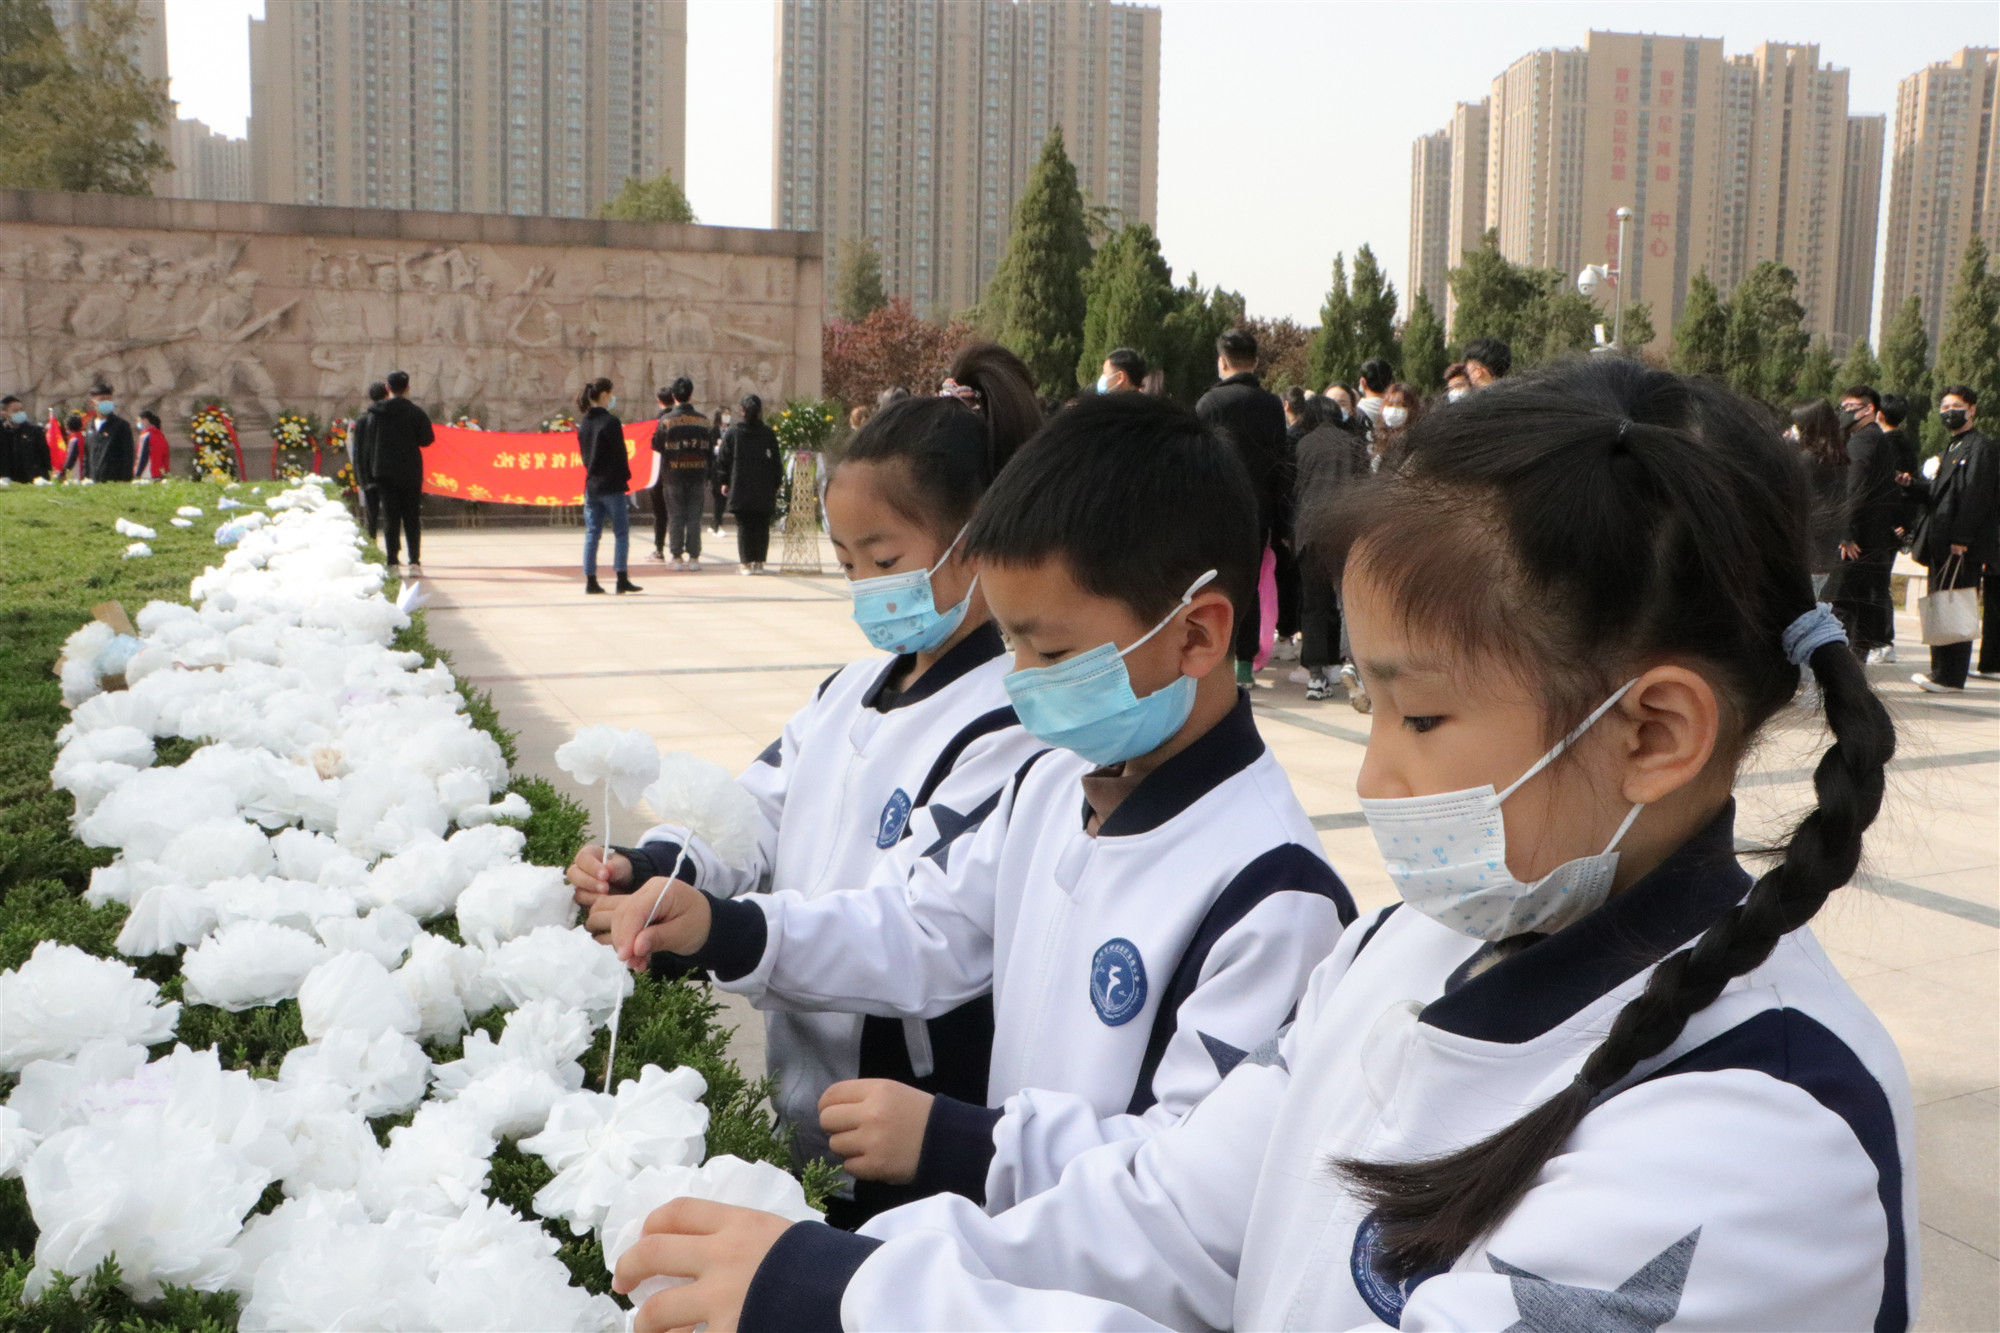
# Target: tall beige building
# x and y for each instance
(1860, 213)
(536, 107)
(1944, 181)
(913, 123)
(207, 165)
(1724, 161)
(1465, 223)
(1430, 220)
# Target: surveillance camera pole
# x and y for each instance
(1618, 310)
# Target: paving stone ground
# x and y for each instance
(714, 663)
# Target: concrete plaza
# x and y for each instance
(713, 664)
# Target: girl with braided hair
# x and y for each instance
(1587, 1074)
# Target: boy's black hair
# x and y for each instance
(377, 391)
(1376, 374)
(1586, 523)
(398, 381)
(1127, 363)
(1238, 347)
(1865, 394)
(150, 418)
(1895, 410)
(1135, 495)
(682, 389)
(1965, 393)
(10, 398)
(1493, 353)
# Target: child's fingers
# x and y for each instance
(841, 1117)
(847, 1090)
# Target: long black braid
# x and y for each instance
(1625, 516)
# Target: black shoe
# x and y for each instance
(592, 585)
(626, 585)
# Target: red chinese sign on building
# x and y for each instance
(520, 467)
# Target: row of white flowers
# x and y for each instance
(342, 799)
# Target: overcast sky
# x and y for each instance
(1285, 125)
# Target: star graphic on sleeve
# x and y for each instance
(951, 826)
(1642, 1302)
(1226, 1057)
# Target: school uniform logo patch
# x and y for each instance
(895, 818)
(1117, 982)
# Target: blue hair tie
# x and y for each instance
(1811, 632)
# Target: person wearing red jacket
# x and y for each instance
(152, 446)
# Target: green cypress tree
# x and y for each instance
(1638, 330)
(1374, 301)
(1491, 296)
(1200, 317)
(1701, 339)
(1969, 351)
(1424, 357)
(1816, 374)
(1765, 346)
(1858, 369)
(1906, 355)
(858, 291)
(1128, 294)
(1332, 355)
(1034, 304)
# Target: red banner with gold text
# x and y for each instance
(522, 467)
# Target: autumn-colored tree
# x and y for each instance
(1284, 347)
(891, 347)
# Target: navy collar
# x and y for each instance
(1217, 755)
(974, 650)
(1533, 990)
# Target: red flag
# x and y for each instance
(58, 443)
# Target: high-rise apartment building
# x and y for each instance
(1944, 181)
(539, 107)
(913, 123)
(1430, 223)
(207, 165)
(1724, 161)
(1466, 220)
(1860, 213)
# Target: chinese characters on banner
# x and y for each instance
(521, 467)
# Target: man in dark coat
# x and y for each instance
(1874, 511)
(112, 449)
(1958, 537)
(686, 445)
(1252, 420)
(402, 432)
(24, 451)
(361, 456)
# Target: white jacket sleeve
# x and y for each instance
(767, 779)
(915, 942)
(1762, 1212)
(1248, 986)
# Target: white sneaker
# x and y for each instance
(1285, 650)
(395, 571)
(1987, 675)
(746, 570)
(1883, 656)
(656, 557)
(414, 570)
(1929, 686)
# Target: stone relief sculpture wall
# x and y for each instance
(274, 308)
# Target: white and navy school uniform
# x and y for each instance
(836, 791)
(1758, 1174)
(1130, 968)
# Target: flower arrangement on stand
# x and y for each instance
(294, 445)
(337, 432)
(803, 426)
(560, 423)
(217, 455)
(466, 421)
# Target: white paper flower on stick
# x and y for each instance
(624, 761)
(63, 997)
(704, 799)
(722, 1179)
(595, 1143)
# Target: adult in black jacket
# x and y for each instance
(402, 432)
(1252, 420)
(1823, 454)
(1868, 548)
(607, 477)
(24, 451)
(111, 447)
(686, 445)
(752, 469)
(1330, 457)
(361, 456)
(1958, 537)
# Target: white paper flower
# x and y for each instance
(626, 760)
(324, 1268)
(187, 511)
(353, 990)
(724, 1179)
(380, 1073)
(384, 934)
(249, 963)
(511, 806)
(125, 527)
(594, 1142)
(138, 551)
(508, 901)
(17, 1143)
(165, 918)
(565, 965)
(62, 998)
(494, 1270)
(435, 1164)
(704, 799)
(49, 1096)
(145, 814)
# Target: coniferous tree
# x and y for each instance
(1906, 353)
(1128, 294)
(660, 199)
(1858, 369)
(1200, 317)
(1766, 346)
(1969, 351)
(858, 291)
(1701, 340)
(1638, 331)
(1332, 355)
(1817, 371)
(1374, 302)
(1424, 357)
(1034, 304)
(79, 115)
(1489, 295)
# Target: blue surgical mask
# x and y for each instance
(1086, 705)
(106, 406)
(1104, 384)
(20, 418)
(898, 612)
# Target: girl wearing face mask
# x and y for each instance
(916, 736)
(1588, 1072)
(1401, 406)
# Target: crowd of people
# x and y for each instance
(100, 446)
(1055, 966)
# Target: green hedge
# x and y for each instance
(59, 556)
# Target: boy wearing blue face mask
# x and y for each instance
(1144, 900)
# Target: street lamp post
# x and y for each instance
(1595, 275)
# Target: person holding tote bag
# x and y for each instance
(750, 469)
(1958, 537)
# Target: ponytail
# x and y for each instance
(592, 391)
(1654, 517)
